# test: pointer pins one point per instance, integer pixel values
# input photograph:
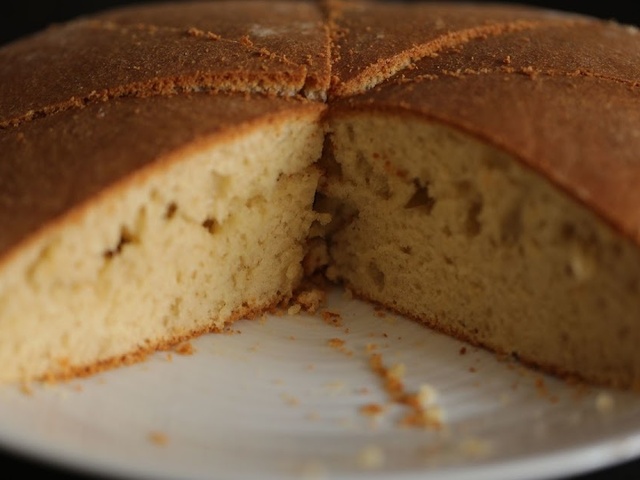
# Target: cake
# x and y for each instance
(167, 169)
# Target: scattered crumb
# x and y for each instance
(427, 395)
(463, 351)
(246, 41)
(228, 330)
(294, 309)
(392, 384)
(398, 370)
(311, 300)
(543, 390)
(185, 348)
(475, 447)
(195, 32)
(371, 457)
(158, 438)
(290, 399)
(339, 345)
(423, 413)
(428, 418)
(169, 357)
(379, 312)
(604, 402)
(371, 347)
(372, 409)
(332, 318)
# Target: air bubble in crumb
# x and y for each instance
(371, 457)
(604, 402)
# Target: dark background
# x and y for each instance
(19, 18)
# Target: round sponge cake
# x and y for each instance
(166, 169)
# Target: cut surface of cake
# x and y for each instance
(167, 169)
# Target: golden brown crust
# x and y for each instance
(65, 372)
(372, 40)
(58, 163)
(452, 331)
(294, 32)
(567, 115)
(91, 61)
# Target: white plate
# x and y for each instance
(279, 399)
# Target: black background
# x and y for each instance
(18, 18)
(21, 17)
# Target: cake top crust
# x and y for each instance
(373, 41)
(558, 91)
(60, 162)
(98, 58)
(562, 98)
